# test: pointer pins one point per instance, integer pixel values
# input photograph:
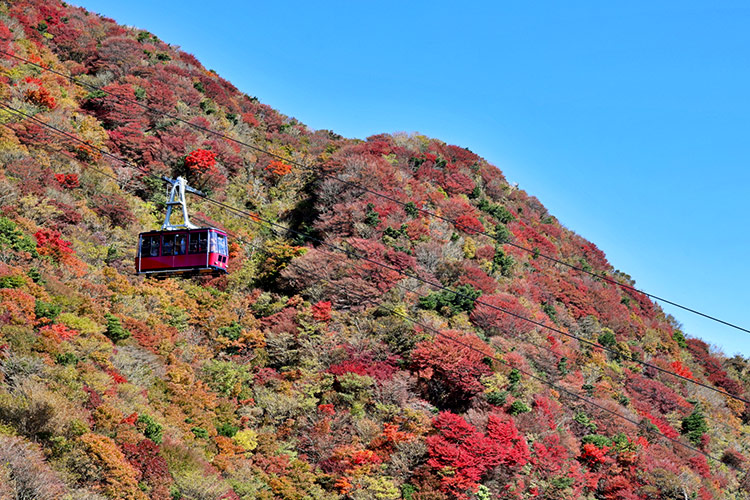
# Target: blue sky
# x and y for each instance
(630, 121)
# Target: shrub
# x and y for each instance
(247, 439)
(497, 398)
(503, 263)
(150, 428)
(372, 217)
(411, 210)
(29, 474)
(607, 338)
(694, 426)
(12, 238)
(451, 302)
(115, 331)
(225, 377)
(199, 432)
(12, 282)
(46, 310)
(518, 407)
(227, 430)
(451, 370)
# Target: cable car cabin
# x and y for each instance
(186, 251)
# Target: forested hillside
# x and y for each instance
(398, 321)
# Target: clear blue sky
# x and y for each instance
(630, 121)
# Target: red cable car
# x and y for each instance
(182, 249)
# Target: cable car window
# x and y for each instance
(168, 246)
(150, 246)
(222, 244)
(198, 242)
(180, 244)
(145, 246)
(213, 245)
(155, 244)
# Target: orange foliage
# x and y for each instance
(278, 168)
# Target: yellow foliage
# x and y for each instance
(470, 248)
(81, 323)
(247, 439)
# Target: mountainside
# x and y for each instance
(398, 321)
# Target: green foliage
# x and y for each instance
(372, 217)
(483, 493)
(411, 210)
(550, 311)
(66, 359)
(607, 338)
(497, 398)
(11, 237)
(679, 337)
(562, 366)
(407, 491)
(46, 310)
(562, 482)
(150, 428)
(227, 429)
(514, 378)
(499, 212)
(451, 302)
(585, 421)
(518, 407)
(35, 276)
(694, 425)
(199, 432)
(395, 233)
(232, 332)
(13, 281)
(502, 262)
(114, 330)
(598, 440)
(225, 377)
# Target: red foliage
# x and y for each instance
(264, 375)
(653, 393)
(322, 311)
(592, 455)
(49, 242)
(529, 237)
(200, 161)
(458, 183)
(58, 332)
(145, 458)
(549, 455)
(469, 224)
(458, 447)
(131, 419)
(662, 425)
(40, 97)
(326, 409)
(477, 278)
(364, 364)
(700, 465)
(681, 369)
(501, 314)
(68, 181)
(716, 373)
(451, 370)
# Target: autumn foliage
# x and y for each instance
(361, 348)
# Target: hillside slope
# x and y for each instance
(416, 345)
